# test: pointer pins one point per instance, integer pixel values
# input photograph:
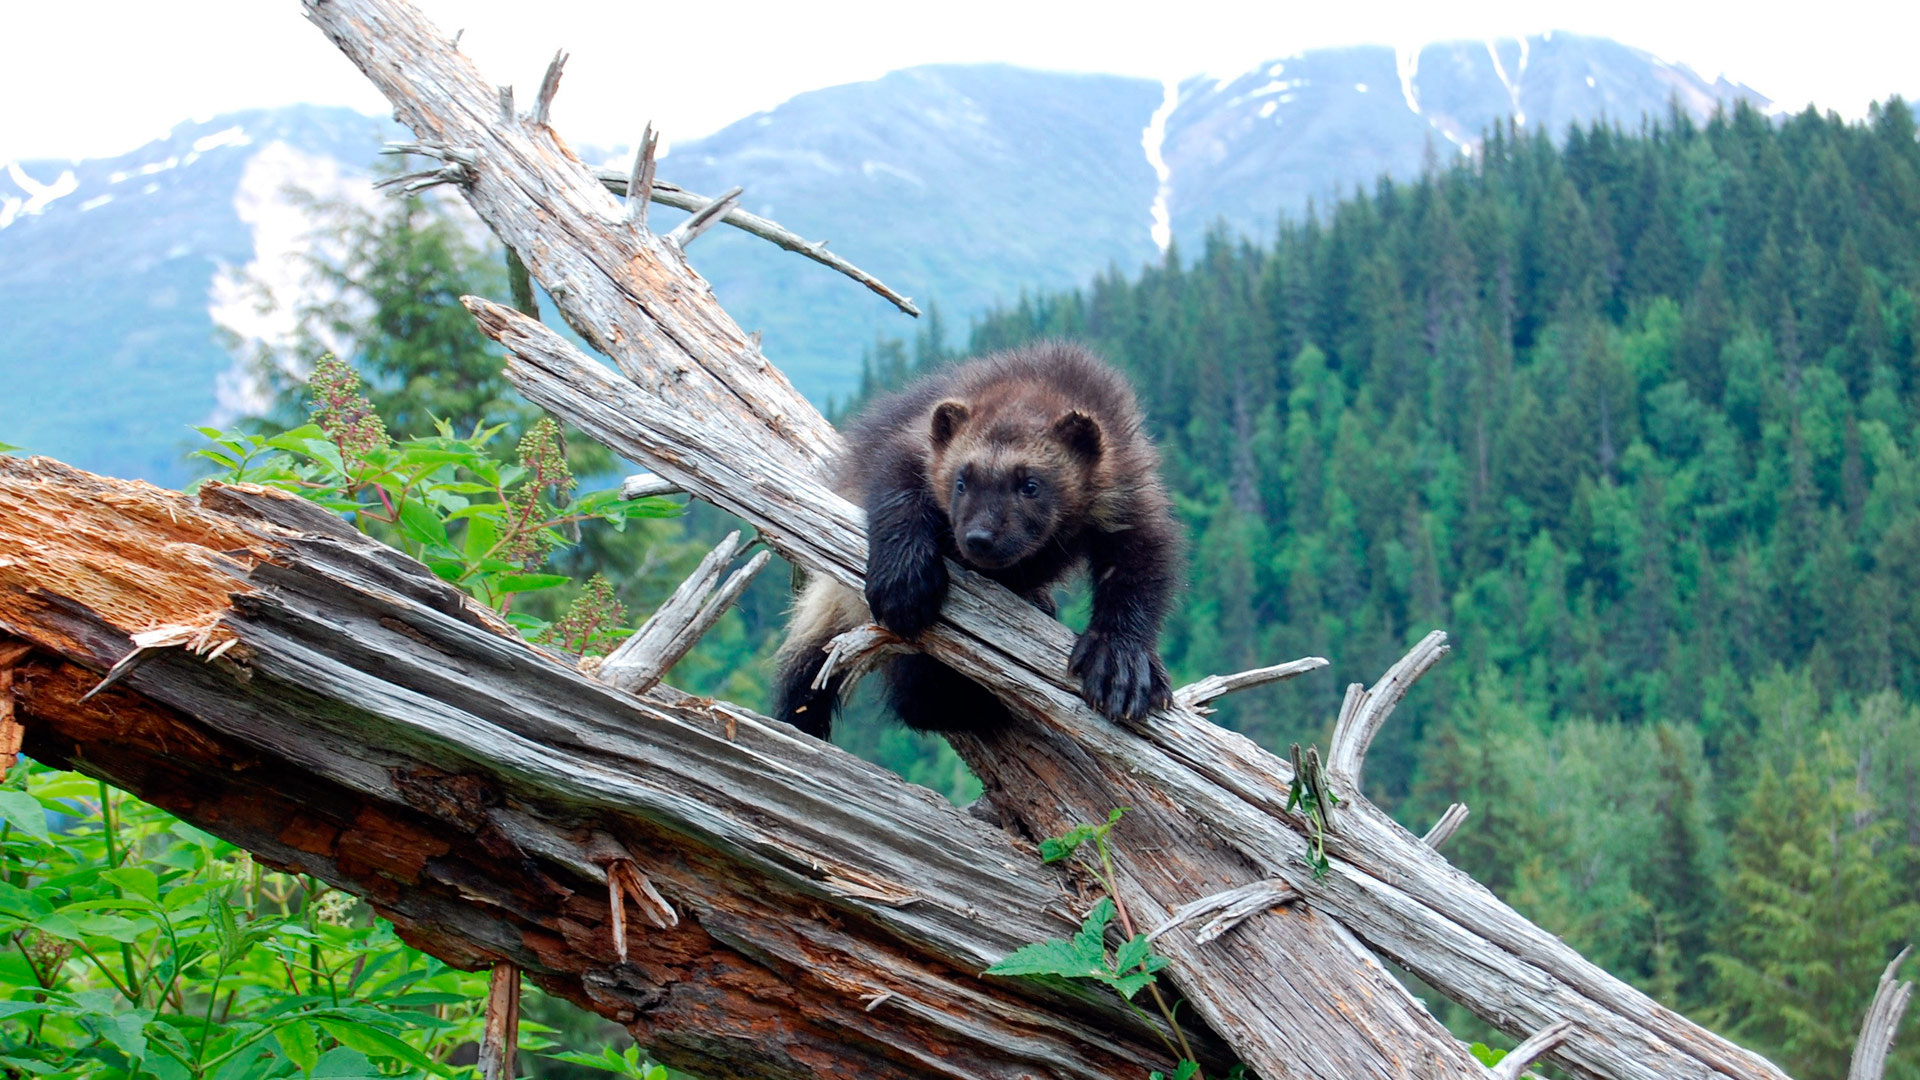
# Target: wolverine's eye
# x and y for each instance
(1031, 489)
(959, 484)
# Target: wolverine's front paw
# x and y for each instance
(906, 599)
(1123, 679)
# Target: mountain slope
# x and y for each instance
(106, 338)
(959, 185)
(1311, 127)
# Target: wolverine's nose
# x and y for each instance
(979, 541)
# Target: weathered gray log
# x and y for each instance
(632, 296)
(1889, 1003)
(679, 623)
(331, 706)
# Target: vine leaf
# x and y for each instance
(1082, 957)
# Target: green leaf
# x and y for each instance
(1129, 985)
(1186, 1070)
(1055, 848)
(127, 1031)
(520, 583)
(424, 527)
(345, 1063)
(299, 440)
(1054, 957)
(446, 569)
(1488, 1055)
(323, 450)
(1091, 939)
(376, 1043)
(1136, 951)
(298, 1043)
(25, 813)
(137, 880)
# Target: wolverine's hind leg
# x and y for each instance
(824, 610)
(928, 695)
(795, 698)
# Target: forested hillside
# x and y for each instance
(1636, 420)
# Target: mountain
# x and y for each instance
(1314, 126)
(112, 272)
(960, 185)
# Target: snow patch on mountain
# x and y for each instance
(1153, 140)
(870, 169)
(1512, 83)
(39, 196)
(1406, 60)
(256, 302)
(233, 136)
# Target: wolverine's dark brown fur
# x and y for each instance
(1020, 465)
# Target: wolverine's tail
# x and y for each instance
(824, 610)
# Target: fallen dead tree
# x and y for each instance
(1294, 988)
(334, 708)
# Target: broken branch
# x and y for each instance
(1357, 726)
(679, 623)
(704, 218)
(1881, 1023)
(855, 652)
(646, 486)
(549, 86)
(680, 198)
(1198, 693)
(1233, 907)
(500, 1034)
(640, 181)
(1449, 823)
(1542, 1043)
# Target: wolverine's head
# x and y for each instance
(1010, 476)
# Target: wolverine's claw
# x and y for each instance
(1121, 679)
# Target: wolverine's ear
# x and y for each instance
(1080, 433)
(948, 416)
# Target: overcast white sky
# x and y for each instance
(89, 78)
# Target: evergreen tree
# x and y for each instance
(1814, 913)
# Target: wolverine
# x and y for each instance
(1022, 466)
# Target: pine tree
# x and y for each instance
(1814, 912)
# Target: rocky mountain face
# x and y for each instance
(124, 281)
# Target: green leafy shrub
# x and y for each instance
(138, 947)
(480, 522)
